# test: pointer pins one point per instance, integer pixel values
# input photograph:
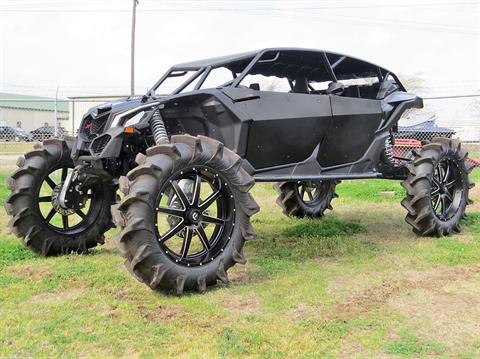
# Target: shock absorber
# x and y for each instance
(159, 131)
(389, 149)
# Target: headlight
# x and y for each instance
(118, 119)
(135, 119)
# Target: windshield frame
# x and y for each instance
(204, 71)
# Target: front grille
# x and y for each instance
(99, 144)
(93, 127)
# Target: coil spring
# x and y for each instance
(389, 149)
(159, 131)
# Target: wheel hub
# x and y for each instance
(56, 204)
(194, 216)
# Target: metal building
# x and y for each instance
(31, 112)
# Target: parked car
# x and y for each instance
(186, 163)
(46, 132)
(16, 134)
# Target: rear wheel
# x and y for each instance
(186, 214)
(437, 188)
(306, 199)
(44, 226)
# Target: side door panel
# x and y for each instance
(354, 123)
(285, 127)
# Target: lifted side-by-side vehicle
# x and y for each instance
(185, 162)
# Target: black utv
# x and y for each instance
(185, 162)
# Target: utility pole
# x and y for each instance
(132, 50)
(55, 123)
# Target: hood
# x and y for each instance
(108, 111)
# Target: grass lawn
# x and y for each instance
(356, 284)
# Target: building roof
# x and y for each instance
(97, 97)
(35, 103)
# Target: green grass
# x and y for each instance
(371, 190)
(11, 253)
(410, 346)
(358, 283)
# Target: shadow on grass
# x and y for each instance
(309, 239)
(323, 228)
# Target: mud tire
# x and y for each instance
(138, 242)
(419, 186)
(27, 221)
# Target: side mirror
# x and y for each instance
(254, 86)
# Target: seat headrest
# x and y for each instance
(301, 85)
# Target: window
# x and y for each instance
(266, 83)
(360, 79)
(288, 71)
(319, 86)
(217, 77)
(173, 81)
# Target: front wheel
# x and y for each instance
(186, 215)
(45, 227)
(437, 188)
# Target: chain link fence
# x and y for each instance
(444, 118)
(418, 126)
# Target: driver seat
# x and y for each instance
(301, 85)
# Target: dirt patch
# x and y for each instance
(474, 194)
(34, 273)
(441, 302)
(447, 308)
(67, 295)
(302, 312)
(162, 313)
(241, 304)
(123, 294)
(407, 282)
(351, 348)
(241, 274)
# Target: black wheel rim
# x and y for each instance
(309, 192)
(59, 219)
(194, 216)
(447, 189)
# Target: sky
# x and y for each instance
(84, 46)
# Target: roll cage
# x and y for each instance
(290, 63)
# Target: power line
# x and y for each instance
(29, 8)
(424, 98)
(451, 97)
